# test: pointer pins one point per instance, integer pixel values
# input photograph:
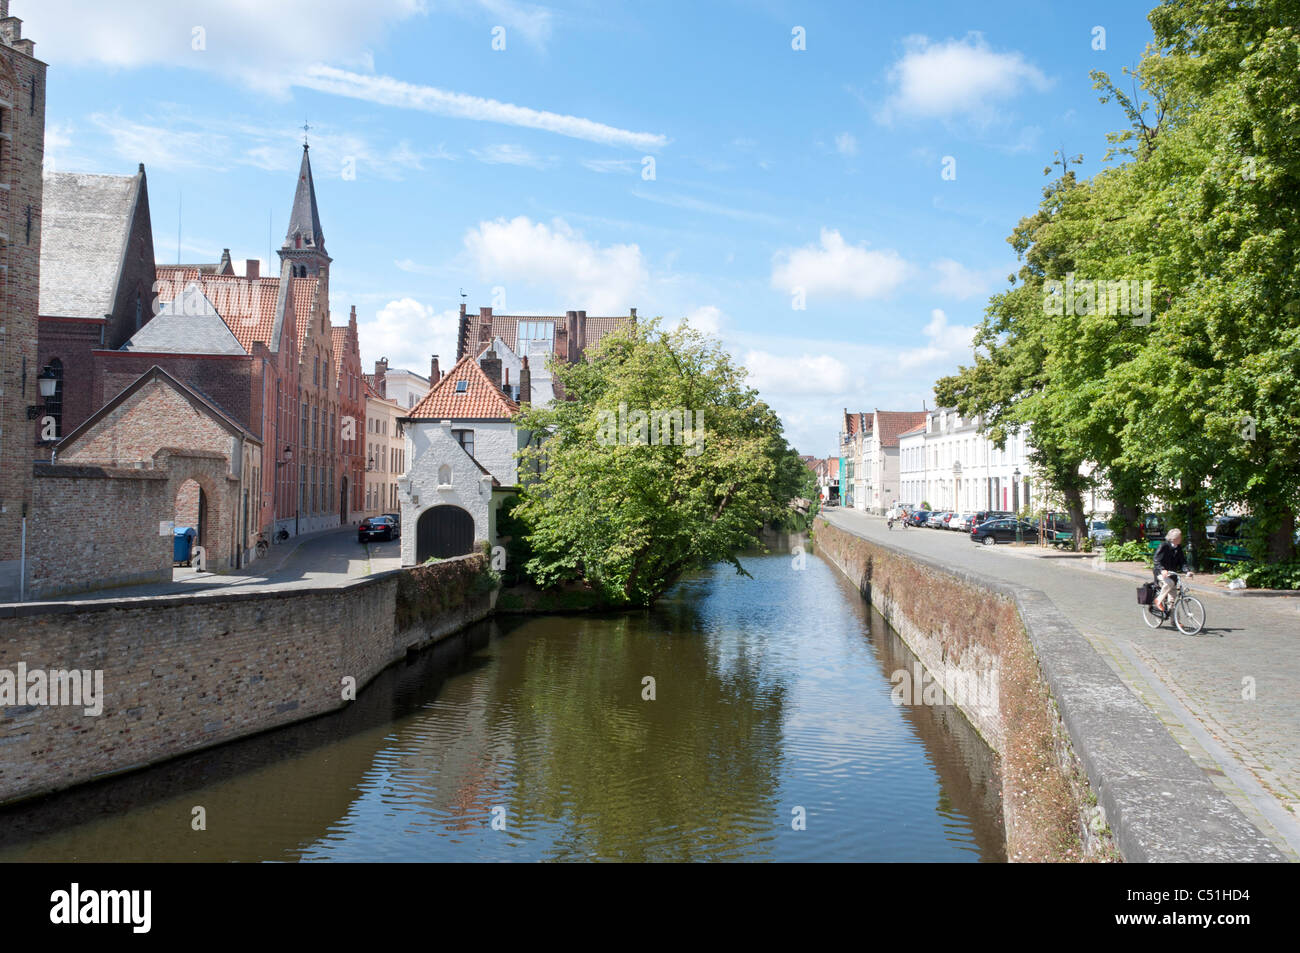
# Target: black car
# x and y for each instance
(1002, 531)
(376, 527)
(983, 516)
(397, 522)
(918, 517)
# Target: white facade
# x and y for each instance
(441, 472)
(911, 468)
(405, 388)
(953, 466)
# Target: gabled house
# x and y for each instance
(461, 442)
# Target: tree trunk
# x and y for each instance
(1074, 506)
(1281, 542)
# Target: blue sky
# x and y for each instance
(522, 174)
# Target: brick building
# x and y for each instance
(350, 387)
(97, 283)
(22, 151)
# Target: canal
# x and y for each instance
(771, 735)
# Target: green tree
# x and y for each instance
(622, 507)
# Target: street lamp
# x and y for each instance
(48, 382)
(1015, 492)
(288, 456)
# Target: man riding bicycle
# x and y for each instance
(1169, 560)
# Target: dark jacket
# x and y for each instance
(1171, 557)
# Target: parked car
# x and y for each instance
(984, 516)
(397, 522)
(1002, 531)
(376, 527)
(936, 519)
(918, 517)
(1099, 532)
(961, 522)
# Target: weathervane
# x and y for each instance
(305, 128)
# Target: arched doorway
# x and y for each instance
(192, 510)
(443, 531)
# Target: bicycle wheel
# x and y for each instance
(1189, 615)
(1152, 616)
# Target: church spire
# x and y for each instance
(304, 222)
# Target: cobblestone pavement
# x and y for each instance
(326, 558)
(1229, 695)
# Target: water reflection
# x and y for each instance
(530, 739)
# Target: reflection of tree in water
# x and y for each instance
(690, 775)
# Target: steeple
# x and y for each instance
(304, 242)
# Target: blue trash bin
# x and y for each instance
(182, 545)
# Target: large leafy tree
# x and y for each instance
(630, 517)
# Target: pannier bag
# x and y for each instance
(1147, 594)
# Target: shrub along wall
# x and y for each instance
(185, 673)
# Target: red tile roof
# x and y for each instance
(894, 422)
(481, 398)
(339, 341)
(919, 428)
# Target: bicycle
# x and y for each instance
(262, 546)
(1186, 610)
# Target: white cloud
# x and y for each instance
(506, 154)
(955, 77)
(598, 279)
(945, 344)
(706, 318)
(261, 44)
(955, 280)
(532, 21)
(408, 333)
(846, 144)
(414, 267)
(606, 166)
(386, 91)
(698, 205)
(806, 374)
(837, 268)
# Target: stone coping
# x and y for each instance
(1160, 806)
(30, 609)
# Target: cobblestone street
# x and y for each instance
(1199, 686)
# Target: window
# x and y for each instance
(315, 428)
(54, 405)
(305, 432)
(315, 371)
(462, 386)
(466, 440)
(444, 475)
(535, 331)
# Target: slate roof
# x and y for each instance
(305, 218)
(85, 225)
(481, 399)
(188, 324)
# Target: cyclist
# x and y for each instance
(1169, 560)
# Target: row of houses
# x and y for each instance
(938, 458)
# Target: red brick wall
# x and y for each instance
(187, 506)
(155, 417)
(72, 343)
(227, 381)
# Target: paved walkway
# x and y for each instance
(326, 558)
(1229, 695)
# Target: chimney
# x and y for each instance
(634, 315)
(352, 317)
(582, 334)
(525, 384)
(571, 323)
(381, 372)
(485, 327)
(434, 374)
(253, 269)
(11, 28)
(491, 365)
(224, 267)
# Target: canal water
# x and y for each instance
(771, 735)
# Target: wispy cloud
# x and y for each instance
(506, 154)
(608, 166)
(846, 144)
(698, 205)
(387, 91)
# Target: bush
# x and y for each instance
(1132, 551)
(1265, 575)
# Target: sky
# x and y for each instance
(826, 187)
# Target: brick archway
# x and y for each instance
(220, 499)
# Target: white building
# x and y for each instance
(870, 446)
(461, 443)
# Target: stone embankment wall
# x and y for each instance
(1088, 771)
(185, 673)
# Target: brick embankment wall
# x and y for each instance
(185, 673)
(960, 630)
(1088, 771)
